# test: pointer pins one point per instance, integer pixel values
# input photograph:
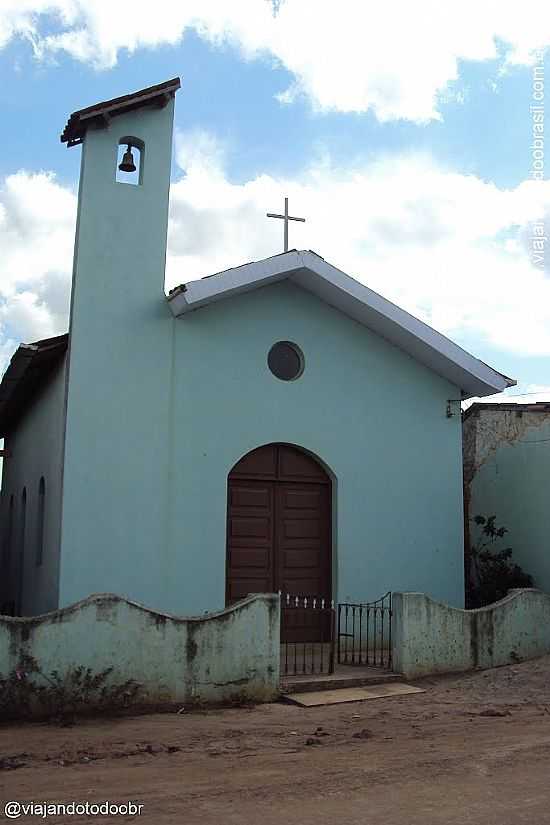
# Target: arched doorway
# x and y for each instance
(278, 524)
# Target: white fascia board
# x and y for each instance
(232, 282)
(357, 301)
(401, 328)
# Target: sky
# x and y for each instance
(405, 133)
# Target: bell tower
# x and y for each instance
(119, 343)
(120, 244)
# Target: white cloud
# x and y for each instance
(37, 218)
(394, 59)
(37, 221)
(28, 315)
(450, 248)
(201, 151)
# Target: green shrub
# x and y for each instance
(491, 573)
(28, 692)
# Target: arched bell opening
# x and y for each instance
(129, 163)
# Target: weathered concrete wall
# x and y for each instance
(507, 473)
(212, 658)
(429, 637)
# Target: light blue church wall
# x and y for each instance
(35, 451)
(372, 415)
(160, 409)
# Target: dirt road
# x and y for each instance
(473, 749)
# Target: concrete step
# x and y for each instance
(333, 681)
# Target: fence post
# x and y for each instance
(332, 639)
(398, 633)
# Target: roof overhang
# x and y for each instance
(100, 114)
(29, 367)
(312, 273)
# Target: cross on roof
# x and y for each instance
(286, 217)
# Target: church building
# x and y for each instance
(275, 427)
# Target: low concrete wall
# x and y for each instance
(430, 637)
(212, 658)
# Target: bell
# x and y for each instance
(127, 164)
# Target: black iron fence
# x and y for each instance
(307, 635)
(364, 633)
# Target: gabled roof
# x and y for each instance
(311, 272)
(100, 113)
(29, 367)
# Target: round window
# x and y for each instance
(285, 360)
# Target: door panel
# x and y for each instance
(302, 551)
(258, 463)
(295, 465)
(302, 540)
(249, 539)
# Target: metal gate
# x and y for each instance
(308, 636)
(364, 633)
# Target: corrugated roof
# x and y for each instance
(100, 113)
(29, 367)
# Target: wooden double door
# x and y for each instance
(278, 525)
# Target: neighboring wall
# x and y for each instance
(429, 637)
(34, 451)
(507, 474)
(231, 654)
